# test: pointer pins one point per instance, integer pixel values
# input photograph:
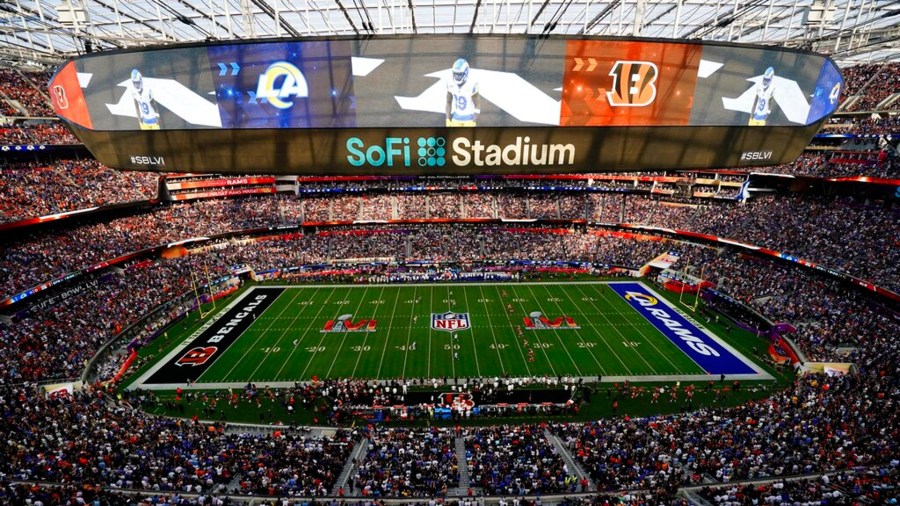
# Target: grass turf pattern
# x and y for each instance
(286, 342)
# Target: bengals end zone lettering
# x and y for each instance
(212, 343)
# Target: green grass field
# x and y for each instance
(285, 343)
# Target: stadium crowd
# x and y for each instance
(21, 94)
(516, 460)
(88, 438)
(879, 124)
(407, 463)
(56, 341)
(32, 189)
(840, 164)
(879, 82)
(36, 133)
(792, 433)
(850, 234)
(872, 82)
(839, 489)
(29, 190)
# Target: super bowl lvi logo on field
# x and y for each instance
(537, 320)
(345, 323)
(450, 321)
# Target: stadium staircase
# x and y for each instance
(886, 103)
(694, 498)
(567, 458)
(359, 451)
(465, 481)
(850, 102)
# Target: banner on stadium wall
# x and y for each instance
(232, 192)
(664, 260)
(264, 275)
(218, 183)
(377, 105)
(57, 390)
(830, 368)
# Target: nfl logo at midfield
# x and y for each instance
(449, 321)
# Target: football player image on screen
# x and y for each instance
(762, 100)
(463, 100)
(143, 97)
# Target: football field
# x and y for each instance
(278, 335)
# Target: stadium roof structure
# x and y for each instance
(43, 33)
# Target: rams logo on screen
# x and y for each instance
(197, 356)
(634, 84)
(281, 81)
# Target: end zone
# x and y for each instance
(209, 343)
(707, 350)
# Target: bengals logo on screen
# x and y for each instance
(634, 84)
(196, 356)
(59, 94)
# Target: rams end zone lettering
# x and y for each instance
(707, 352)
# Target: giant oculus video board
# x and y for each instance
(446, 105)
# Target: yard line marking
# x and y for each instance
(577, 331)
(283, 333)
(303, 336)
(344, 339)
(512, 327)
(472, 335)
(543, 349)
(430, 332)
(453, 353)
(611, 324)
(387, 338)
(325, 334)
(408, 333)
(621, 335)
(650, 340)
(493, 334)
(261, 334)
(577, 369)
(366, 338)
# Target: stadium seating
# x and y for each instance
(20, 94)
(30, 190)
(843, 233)
(92, 446)
(34, 133)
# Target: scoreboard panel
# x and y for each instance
(445, 104)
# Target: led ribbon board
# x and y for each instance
(448, 104)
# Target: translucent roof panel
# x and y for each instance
(44, 33)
